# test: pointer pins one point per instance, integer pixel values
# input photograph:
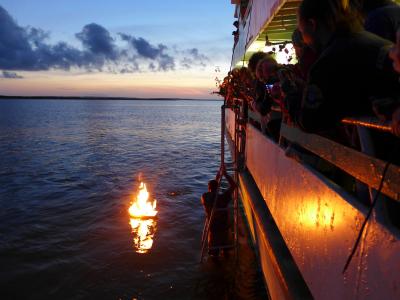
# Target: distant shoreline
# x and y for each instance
(97, 98)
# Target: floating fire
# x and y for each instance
(142, 208)
(142, 220)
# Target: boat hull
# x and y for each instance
(318, 223)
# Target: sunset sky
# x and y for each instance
(126, 48)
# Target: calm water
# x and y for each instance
(68, 171)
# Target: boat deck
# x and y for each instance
(275, 19)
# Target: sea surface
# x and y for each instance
(69, 170)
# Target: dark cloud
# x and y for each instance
(36, 36)
(192, 57)
(97, 40)
(10, 75)
(149, 51)
(15, 49)
(201, 58)
(27, 48)
(143, 47)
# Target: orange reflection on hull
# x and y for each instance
(318, 214)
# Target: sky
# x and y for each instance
(127, 48)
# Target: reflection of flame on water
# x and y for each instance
(143, 234)
(142, 220)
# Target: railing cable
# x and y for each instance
(360, 233)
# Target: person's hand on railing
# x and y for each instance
(396, 122)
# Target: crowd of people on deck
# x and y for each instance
(348, 65)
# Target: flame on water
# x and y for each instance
(142, 221)
(142, 207)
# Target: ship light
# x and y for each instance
(284, 53)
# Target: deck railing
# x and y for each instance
(361, 165)
(369, 122)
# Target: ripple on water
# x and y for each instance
(69, 170)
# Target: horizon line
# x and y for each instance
(102, 98)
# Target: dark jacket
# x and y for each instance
(352, 70)
(221, 216)
(384, 21)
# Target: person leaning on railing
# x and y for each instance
(306, 56)
(237, 85)
(245, 85)
(269, 109)
(395, 56)
(389, 109)
(258, 86)
(293, 78)
(352, 67)
(249, 88)
(382, 17)
(396, 122)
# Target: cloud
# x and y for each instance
(192, 57)
(98, 41)
(201, 58)
(14, 44)
(10, 75)
(28, 49)
(148, 51)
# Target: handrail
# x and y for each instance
(365, 168)
(369, 122)
(254, 116)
